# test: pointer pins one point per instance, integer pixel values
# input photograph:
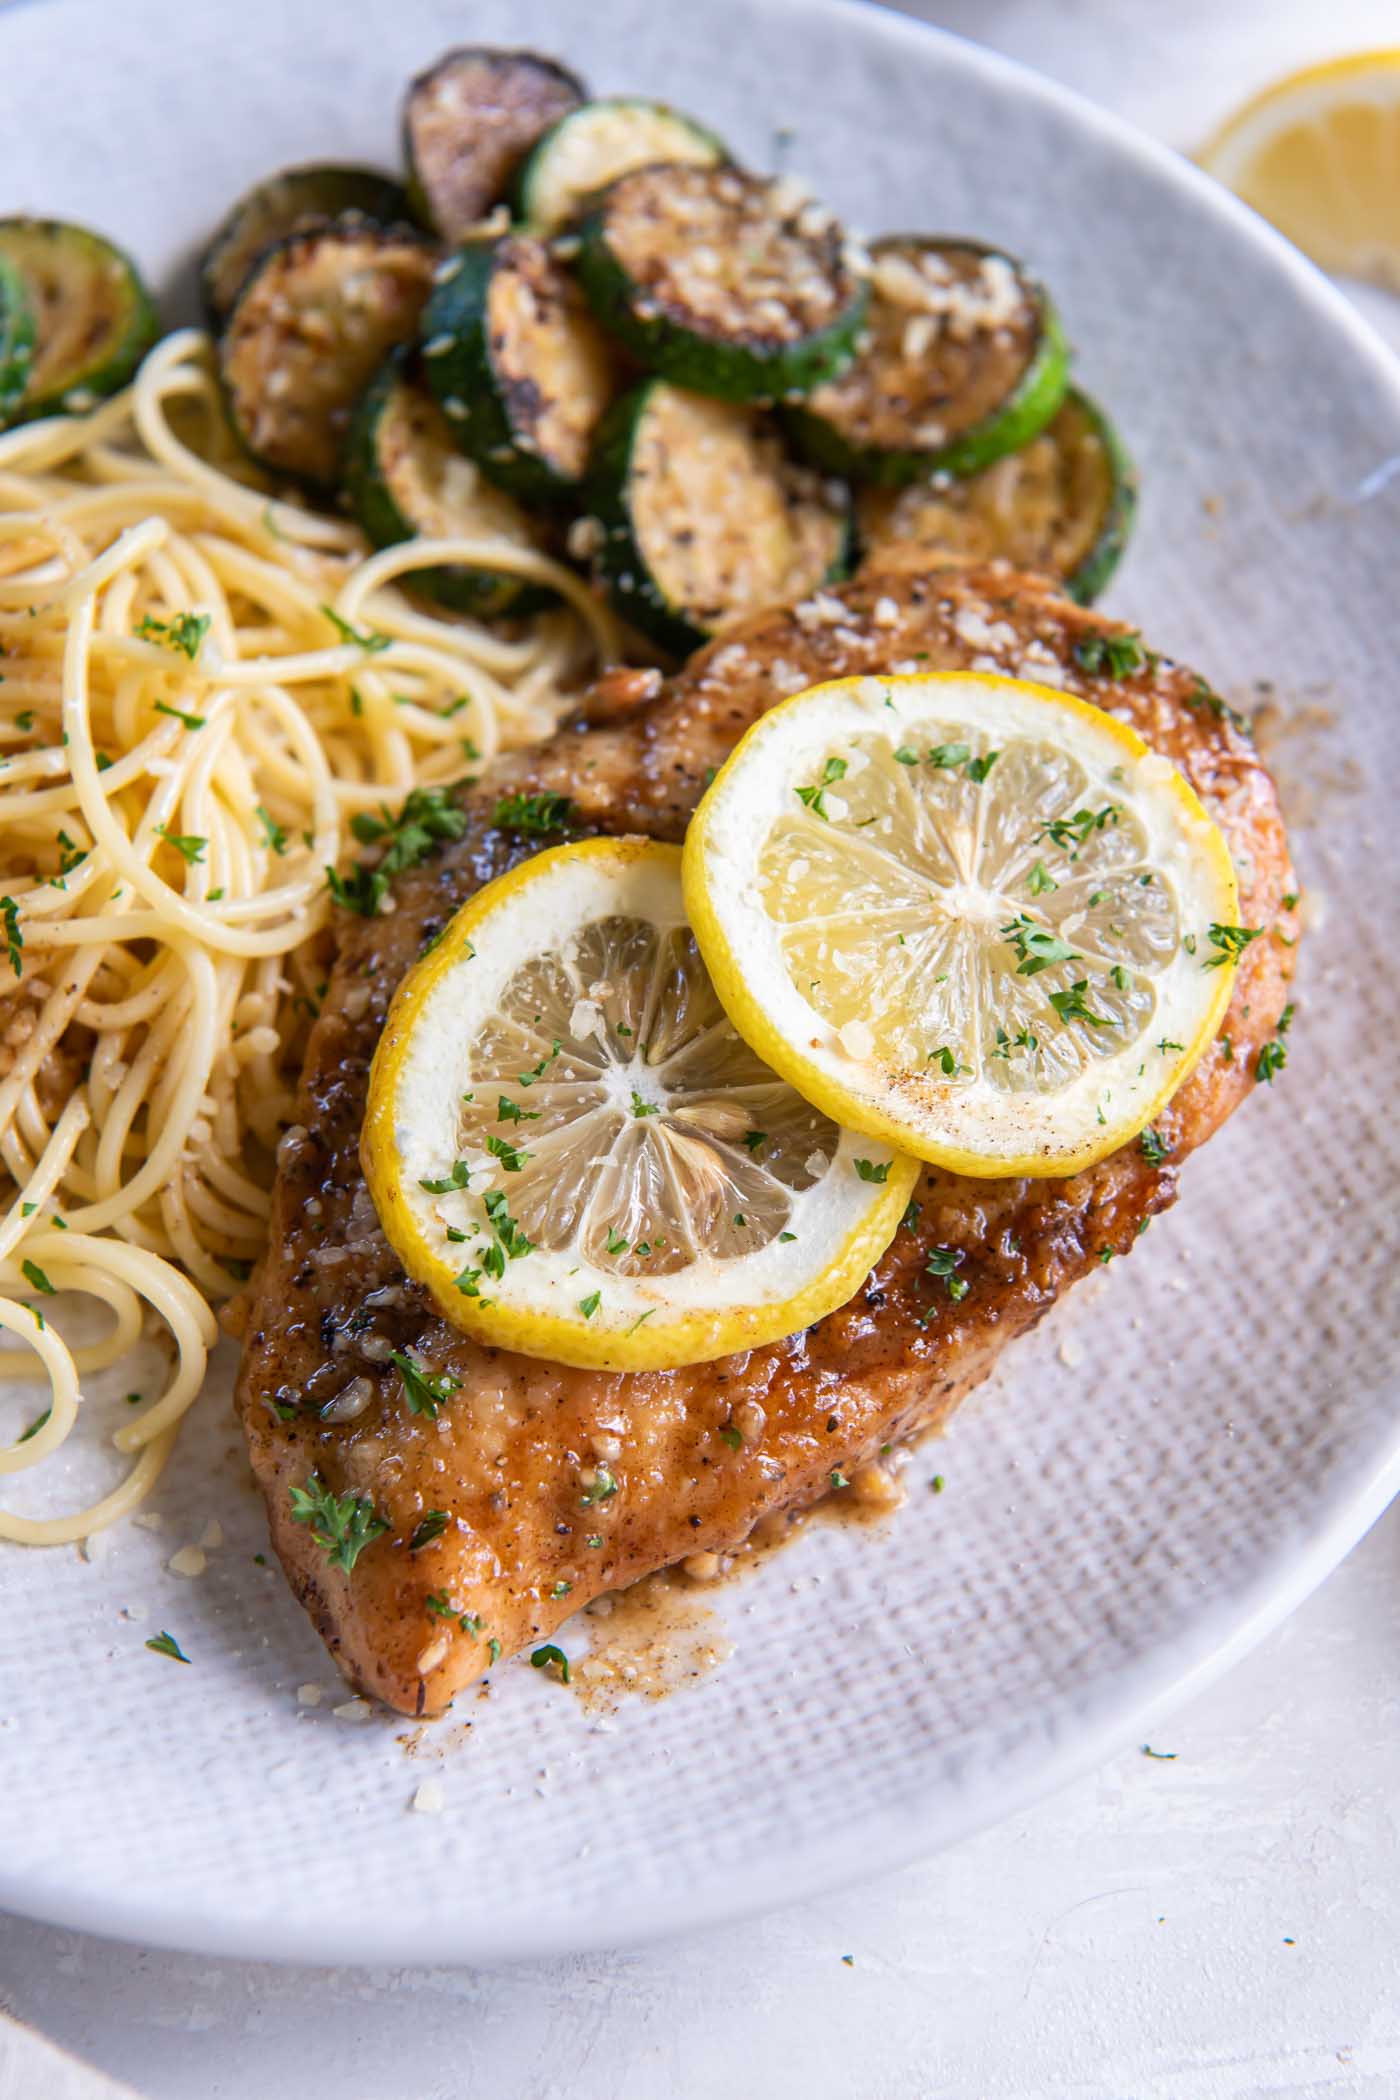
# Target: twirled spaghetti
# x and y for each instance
(201, 687)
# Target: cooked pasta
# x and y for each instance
(202, 686)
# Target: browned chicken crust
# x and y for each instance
(512, 1459)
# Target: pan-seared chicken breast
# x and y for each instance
(555, 1484)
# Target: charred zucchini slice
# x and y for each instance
(517, 363)
(593, 146)
(406, 479)
(1063, 504)
(468, 123)
(963, 361)
(704, 517)
(315, 320)
(92, 317)
(16, 341)
(292, 202)
(725, 283)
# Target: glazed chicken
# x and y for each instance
(492, 1509)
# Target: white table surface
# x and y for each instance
(1222, 1924)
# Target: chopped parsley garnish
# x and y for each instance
(273, 832)
(1231, 941)
(868, 1171)
(550, 1658)
(1121, 978)
(838, 1478)
(1040, 880)
(534, 813)
(905, 756)
(1111, 655)
(428, 1528)
(644, 1108)
(755, 1140)
(785, 1237)
(948, 1059)
(1154, 1147)
(1290, 900)
(616, 1243)
(358, 892)
(589, 1305)
(512, 1157)
(814, 797)
(1036, 946)
(457, 1179)
(185, 632)
(1285, 1019)
(1271, 1059)
(425, 1391)
(731, 1436)
(71, 854)
(189, 845)
(601, 1489)
(1201, 695)
(913, 1211)
(468, 1280)
(979, 768)
(1072, 1006)
(25, 722)
(495, 1647)
(178, 714)
(34, 1274)
(943, 757)
(14, 938)
(369, 641)
(508, 1111)
(512, 1239)
(342, 1525)
(942, 1262)
(166, 1644)
(1070, 833)
(428, 816)
(538, 1071)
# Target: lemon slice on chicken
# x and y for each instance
(972, 917)
(568, 1143)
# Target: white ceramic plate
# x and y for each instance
(1151, 1481)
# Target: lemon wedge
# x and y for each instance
(977, 919)
(1317, 153)
(570, 1146)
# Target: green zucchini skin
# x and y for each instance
(487, 409)
(16, 341)
(1061, 506)
(1091, 577)
(1018, 417)
(621, 562)
(316, 317)
(58, 263)
(469, 121)
(703, 361)
(486, 593)
(293, 201)
(548, 194)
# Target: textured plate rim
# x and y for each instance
(1118, 1706)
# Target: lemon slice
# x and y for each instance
(968, 916)
(570, 1146)
(1317, 153)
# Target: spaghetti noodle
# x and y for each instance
(202, 686)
